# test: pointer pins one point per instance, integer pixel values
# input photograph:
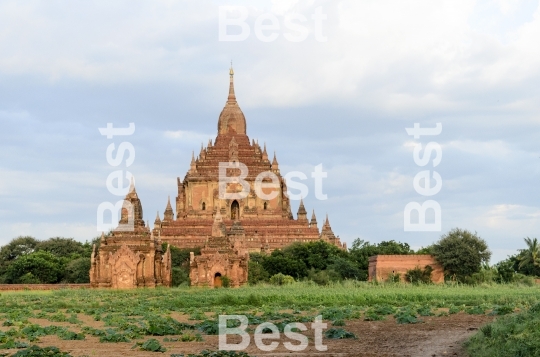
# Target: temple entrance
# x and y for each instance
(217, 280)
(235, 210)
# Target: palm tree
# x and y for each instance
(531, 254)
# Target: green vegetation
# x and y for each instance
(419, 275)
(142, 315)
(461, 253)
(26, 260)
(509, 336)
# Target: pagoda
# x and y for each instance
(267, 223)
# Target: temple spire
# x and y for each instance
(313, 222)
(302, 213)
(193, 165)
(169, 214)
(275, 166)
(232, 96)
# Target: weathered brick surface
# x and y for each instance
(382, 266)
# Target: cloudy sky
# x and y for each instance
(68, 68)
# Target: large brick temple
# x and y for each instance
(266, 224)
(226, 229)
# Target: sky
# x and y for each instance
(341, 93)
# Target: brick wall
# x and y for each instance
(381, 266)
(42, 286)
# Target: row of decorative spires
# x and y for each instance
(204, 151)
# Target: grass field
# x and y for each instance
(190, 315)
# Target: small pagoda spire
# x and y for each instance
(313, 222)
(202, 155)
(157, 222)
(193, 165)
(209, 143)
(302, 213)
(132, 185)
(275, 166)
(264, 153)
(232, 96)
(169, 214)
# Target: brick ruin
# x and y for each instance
(224, 254)
(131, 258)
(382, 266)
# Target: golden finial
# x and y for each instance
(231, 71)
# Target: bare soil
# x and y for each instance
(436, 336)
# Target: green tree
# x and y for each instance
(180, 263)
(461, 253)
(77, 271)
(18, 247)
(279, 262)
(346, 269)
(44, 266)
(531, 255)
(257, 273)
(62, 247)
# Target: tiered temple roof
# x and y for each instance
(267, 222)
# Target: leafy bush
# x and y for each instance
(113, 336)
(209, 327)
(406, 315)
(162, 326)
(371, 315)
(419, 275)
(425, 310)
(338, 333)
(394, 278)
(281, 279)
(36, 351)
(151, 345)
(225, 281)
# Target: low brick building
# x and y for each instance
(381, 267)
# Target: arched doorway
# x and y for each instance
(235, 210)
(217, 280)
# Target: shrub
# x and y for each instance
(36, 351)
(281, 279)
(418, 275)
(394, 277)
(338, 333)
(151, 345)
(225, 281)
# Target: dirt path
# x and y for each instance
(435, 337)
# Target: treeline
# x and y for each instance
(26, 260)
(463, 255)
